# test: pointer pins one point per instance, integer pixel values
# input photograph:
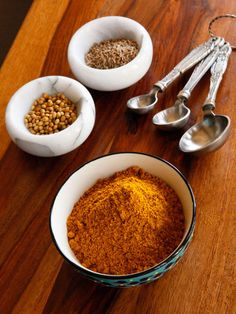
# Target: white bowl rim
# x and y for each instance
(113, 70)
(184, 243)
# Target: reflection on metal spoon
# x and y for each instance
(206, 136)
(172, 118)
(145, 103)
(213, 130)
(177, 116)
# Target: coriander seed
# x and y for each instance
(50, 114)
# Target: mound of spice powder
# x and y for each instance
(110, 54)
(125, 223)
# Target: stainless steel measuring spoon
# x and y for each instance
(144, 103)
(213, 130)
(177, 116)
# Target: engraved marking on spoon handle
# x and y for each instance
(217, 71)
(196, 55)
(199, 72)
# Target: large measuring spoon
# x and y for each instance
(213, 130)
(144, 103)
(177, 116)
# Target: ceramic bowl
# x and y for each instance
(57, 143)
(86, 176)
(104, 28)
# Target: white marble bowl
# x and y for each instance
(104, 28)
(57, 143)
(86, 176)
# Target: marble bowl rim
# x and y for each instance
(57, 135)
(176, 252)
(140, 29)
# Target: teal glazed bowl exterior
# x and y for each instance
(85, 177)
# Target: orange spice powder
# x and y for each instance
(126, 223)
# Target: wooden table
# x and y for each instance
(34, 278)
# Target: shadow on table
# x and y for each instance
(74, 293)
(12, 14)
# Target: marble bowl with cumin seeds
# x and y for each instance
(85, 177)
(108, 28)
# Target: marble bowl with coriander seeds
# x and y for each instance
(55, 144)
(103, 29)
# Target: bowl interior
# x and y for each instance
(105, 28)
(22, 100)
(87, 175)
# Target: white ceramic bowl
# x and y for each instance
(57, 143)
(86, 176)
(104, 28)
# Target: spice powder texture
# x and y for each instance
(125, 223)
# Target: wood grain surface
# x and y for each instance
(12, 15)
(33, 276)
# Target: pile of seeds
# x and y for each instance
(50, 114)
(110, 54)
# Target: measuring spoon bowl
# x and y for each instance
(143, 104)
(172, 118)
(206, 136)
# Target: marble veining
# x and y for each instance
(77, 137)
(57, 143)
(28, 146)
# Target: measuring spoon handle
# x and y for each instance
(199, 71)
(217, 70)
(196, 55)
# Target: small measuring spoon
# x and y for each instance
(212, 132)
(144, 103)
(177, 116)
